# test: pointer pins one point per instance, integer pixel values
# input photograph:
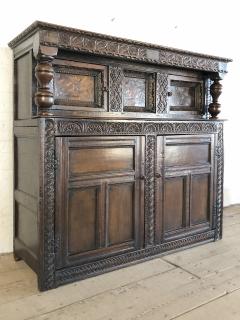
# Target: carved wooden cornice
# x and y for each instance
(89, 42)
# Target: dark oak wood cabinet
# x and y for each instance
(118, 151)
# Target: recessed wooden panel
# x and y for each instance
(121, 213)
(82, 219)
(27, 165)
(101, 159)
(183, 95)
(200, 194)
(134, 90)
(187, 154)
(76, 87)
(26, 228)
(138, 91)
(174, 206)
(24, 86)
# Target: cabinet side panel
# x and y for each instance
(26, 194)
(27, 165)
(23, 101)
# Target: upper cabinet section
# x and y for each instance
(82, 74)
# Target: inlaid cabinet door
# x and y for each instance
(99, 197)
(184, 193)
(79, 86)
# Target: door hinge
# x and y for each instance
(57, 243)
(56, 164)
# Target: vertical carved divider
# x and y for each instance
(161, 93)
(115, 89)
(219, 197)
(215, 91)
(150, 190)
(47, 206)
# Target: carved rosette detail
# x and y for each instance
(149, 190)
(91, 269)
(215, 91)
(115, 91)
(49, 207)
(44, 73)
(219, 194)
(161, 92)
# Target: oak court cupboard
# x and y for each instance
(118, 151)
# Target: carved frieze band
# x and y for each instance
(70, 274)
(149, 189)
(78, 127)
(219, 194)
(49, 207)
(113, 47)
(115, 90)
(161, 92)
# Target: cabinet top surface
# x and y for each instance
(47, 34)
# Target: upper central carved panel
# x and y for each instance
(138, 91)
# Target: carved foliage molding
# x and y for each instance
(115, 91)
(49, 207)
(114, 47)
(81, 272)
(149, 189)
(219, 194)
(161, 92)
(75, 127)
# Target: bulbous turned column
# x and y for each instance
(44, 73)
(215, 91)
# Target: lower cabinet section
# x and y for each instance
(108, 193)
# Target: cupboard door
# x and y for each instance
(99, 197)
(185, 95)
(79, 86)
(184, 194)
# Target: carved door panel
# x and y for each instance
(79, 86)
(99, 197)
(184, 195)
(185, 95)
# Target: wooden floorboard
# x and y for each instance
(199, 283)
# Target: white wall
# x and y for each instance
(205, 26)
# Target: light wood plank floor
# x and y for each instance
(199, 283)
